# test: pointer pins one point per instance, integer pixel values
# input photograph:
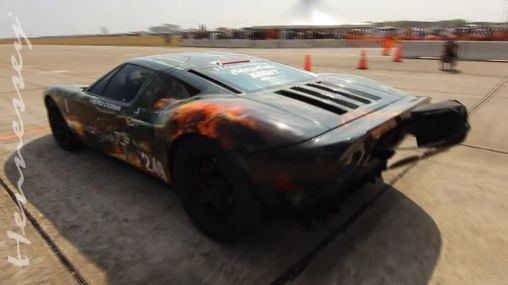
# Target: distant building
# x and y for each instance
(168, 29)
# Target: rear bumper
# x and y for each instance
(320, 171)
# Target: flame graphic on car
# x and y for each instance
(213, 120)
(75, 124)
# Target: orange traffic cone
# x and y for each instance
(386, 47)
(307, 65)
(363, 60)
(398, 55)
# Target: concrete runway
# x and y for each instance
(94, 220)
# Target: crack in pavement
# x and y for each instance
(78, 277)
(484, 148)
(488, 97)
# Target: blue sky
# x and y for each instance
(64, 17)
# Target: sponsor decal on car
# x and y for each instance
(105, 104)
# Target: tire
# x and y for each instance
(215, 191)
(61, 132)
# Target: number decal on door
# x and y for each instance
(154, 166)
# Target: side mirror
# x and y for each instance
(440, 124)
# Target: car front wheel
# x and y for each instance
(61, 132)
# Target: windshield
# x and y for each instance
(256, 76)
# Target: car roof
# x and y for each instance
(183, 61)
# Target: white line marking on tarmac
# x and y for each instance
(55, 72)
(137, 54)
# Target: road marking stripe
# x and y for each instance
(54, 71)
(27, 132)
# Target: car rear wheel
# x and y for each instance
(61, 132)
(215, 191)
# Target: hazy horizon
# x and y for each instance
(61, 17)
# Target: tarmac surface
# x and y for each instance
(95, 220)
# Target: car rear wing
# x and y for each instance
(440, 124)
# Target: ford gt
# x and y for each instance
(240, 137)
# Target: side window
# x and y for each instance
(164, 90)
(125, 84)
(98, 86)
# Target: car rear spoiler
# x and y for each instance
(440, 125)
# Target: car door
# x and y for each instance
(146, 121)
(112, 110)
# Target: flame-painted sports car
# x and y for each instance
(240, 137)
